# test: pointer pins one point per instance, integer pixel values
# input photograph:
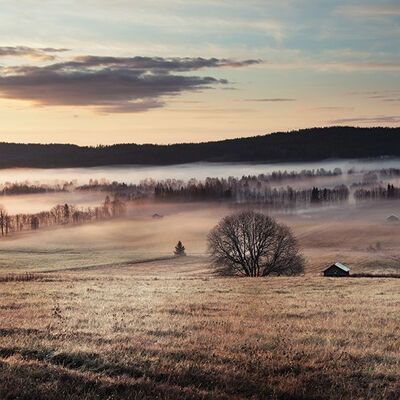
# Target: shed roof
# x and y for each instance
(339, 265)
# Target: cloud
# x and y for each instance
(111, 84)
(369, 10)
(272, 100)
(179, 64)
(333, 108)
(44, 54)
(379, 119)
(340, 66)
(268, 27)
(389, 96)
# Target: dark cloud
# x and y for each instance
(379, 119)
(44, 54)
(111, 84)
(159, 63)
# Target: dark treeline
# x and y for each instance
(388, 172)
(370, 178)
(25, 189)
(148, 186)
(377, 178)
(254, 189)
(124, 191)
(279, 176)
(248, 190)
(390, 192)
(64, 214)
(12, 189)
(134, 191)
(304, 145)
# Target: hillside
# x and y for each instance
(304, 145)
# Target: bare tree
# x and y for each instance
(254, 244)
(3, 221)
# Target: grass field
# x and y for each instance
(106, 313)
(169, 329)
(357, 236)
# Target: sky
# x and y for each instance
(164, 71)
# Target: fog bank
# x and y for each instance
(136, 173)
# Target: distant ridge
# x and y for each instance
(303, 145)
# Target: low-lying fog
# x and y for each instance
(136, 173)
(34, 203)
(357, 235)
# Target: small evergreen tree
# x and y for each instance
(180, 249)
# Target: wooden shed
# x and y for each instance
(392, 218)
(337, 270)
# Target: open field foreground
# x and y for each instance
(170, 329)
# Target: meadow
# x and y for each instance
(357, 235)
(104, 311)
(170, 329)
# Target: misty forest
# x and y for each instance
(279, 190)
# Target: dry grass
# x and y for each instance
(19, 277)
(171, 330)
(115, 317)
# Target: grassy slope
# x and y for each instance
(358, 236)
(171, 330)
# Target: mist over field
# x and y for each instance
(33, 203)
(345, 231)
(135, 174)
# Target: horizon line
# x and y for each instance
(200, 142)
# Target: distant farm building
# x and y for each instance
(337, 270)
(392, 218)
(157, 216)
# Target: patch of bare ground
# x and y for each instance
(170, 329)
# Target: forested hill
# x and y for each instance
(303, 145)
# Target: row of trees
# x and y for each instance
(389, 172)
(389, 192)
(338, 194)
(209, 188)
(249, 190)
(304, 145)
(17, 188)
(63, 214)
(148, 185)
